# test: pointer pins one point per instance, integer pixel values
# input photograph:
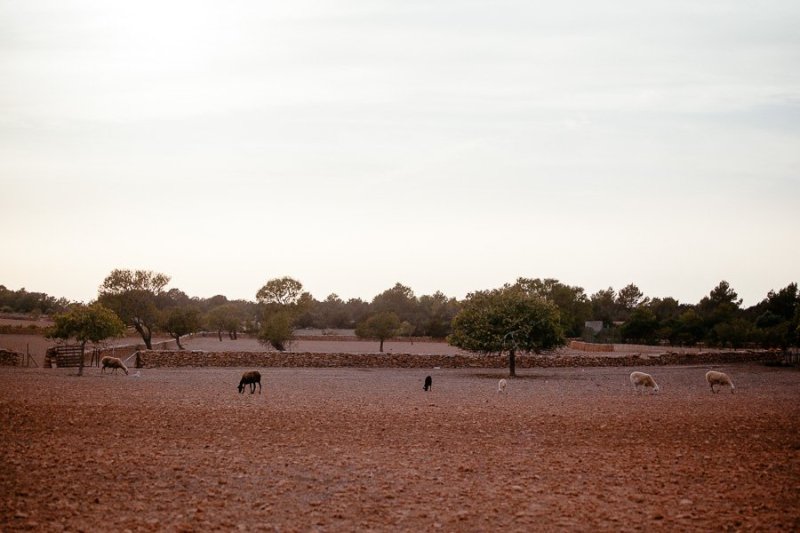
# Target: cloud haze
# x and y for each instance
(451, 146)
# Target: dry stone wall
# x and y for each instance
(9, 358)
(170, 358)
(126, 351)
(591, 346)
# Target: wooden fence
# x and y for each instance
(64, 355)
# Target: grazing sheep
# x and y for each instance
(112, 362)
(250, 377)
(644, 380)
(719, 378)
(501, 385)
(428, 384)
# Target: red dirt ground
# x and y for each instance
(351, 449)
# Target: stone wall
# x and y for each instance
(9, 358)
(169, 358)
(591, 346)
(125, 351)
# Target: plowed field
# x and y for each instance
(350, 449)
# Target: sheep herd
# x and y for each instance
(713, 377)
(640, 381)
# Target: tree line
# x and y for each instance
(30, 303)
(142, 300)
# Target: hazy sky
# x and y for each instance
(449, 145)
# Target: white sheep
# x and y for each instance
(640, 379)
(719, 378)
(501, 385)
(112, 362)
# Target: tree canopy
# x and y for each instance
(226, 317)
(120, 281)
(133, 295)
(22, 301)
(277, 329)
(283, 301)
(508, 319)
(87, 323)
(180, 321)
(573, 304)
(280, 291)
(383, 325)
(141, 299)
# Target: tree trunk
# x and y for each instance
(219, 334)
(80, 365)
(381, 345)
(512, 364)
(178, 341)
(146, 334)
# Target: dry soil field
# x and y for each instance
(357, 450)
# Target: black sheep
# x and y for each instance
(250, 378)
(428, 384)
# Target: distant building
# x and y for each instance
(594, 325)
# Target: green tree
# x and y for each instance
(22, 301)
(776, 323)
(277, 329)
(283, 300)
(785, 302)
(215, 301)
(629, 298)
(721, 306)
(604, 306)
(380, 326)
(641, 327)
(665, 308)
(689, 328)
(132, 295)
(399, 300)
(87, 323)
(174, 298)
(771, 331)
(226, 317)
(506, 320)
(666, 311)
(573, 305)
(733, 333)
(357, 309)
(180, 321)
(283, 291)
(332, 313)
(437, 312)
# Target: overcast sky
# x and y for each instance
(449, 145)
